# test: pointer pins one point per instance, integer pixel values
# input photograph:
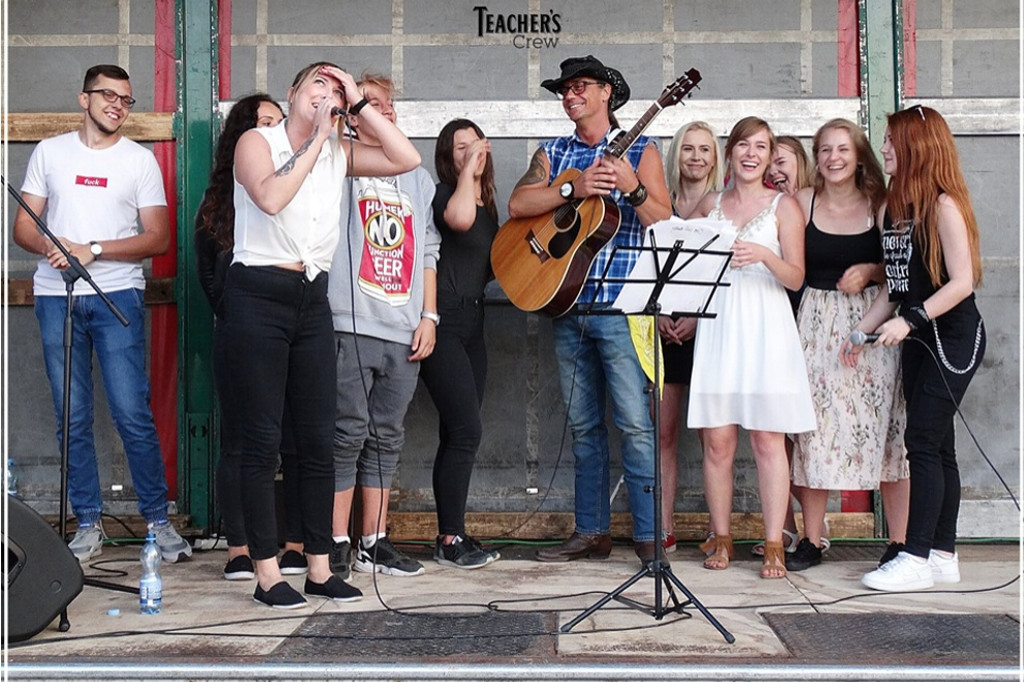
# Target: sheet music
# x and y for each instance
(678, 297)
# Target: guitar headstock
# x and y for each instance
(674, 92)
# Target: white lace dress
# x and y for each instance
(748, 365)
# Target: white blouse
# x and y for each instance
(307, 229)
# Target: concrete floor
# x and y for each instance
(211, 629)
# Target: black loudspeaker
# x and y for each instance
(43, 576)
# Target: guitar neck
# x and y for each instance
(622, 143)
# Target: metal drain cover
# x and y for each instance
(914, 639)
(384, 634)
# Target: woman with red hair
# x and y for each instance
(932, 266)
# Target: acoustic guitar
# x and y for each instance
(542, 261)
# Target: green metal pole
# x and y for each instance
(881, 75)
(198, 123)
(881, 63)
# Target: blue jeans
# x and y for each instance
(599, 350)
(121, 352)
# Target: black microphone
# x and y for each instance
(859, 338)
(338, 111)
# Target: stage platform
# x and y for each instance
(503, 623)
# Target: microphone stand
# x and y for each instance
(70, 275)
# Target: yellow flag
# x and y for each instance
(644, 333)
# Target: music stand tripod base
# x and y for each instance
(665, 271)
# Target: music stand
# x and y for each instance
(664, 274)
(73, 273)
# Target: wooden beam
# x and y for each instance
(552, 526)
(141, 127)
(159, 290)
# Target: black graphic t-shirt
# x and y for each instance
(906, 275)
(900, 257)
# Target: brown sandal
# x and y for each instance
(719, 551)
(774, 561)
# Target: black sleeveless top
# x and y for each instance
(827, 256)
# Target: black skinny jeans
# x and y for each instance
(279, 348)
(455, 375)
(930, 436)
(229, 494)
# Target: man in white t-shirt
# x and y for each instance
(95, 187)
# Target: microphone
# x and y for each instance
(859, 338)
(338, 111)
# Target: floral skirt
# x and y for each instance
(860, 410)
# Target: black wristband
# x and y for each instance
(915, 315)
(637, 196)
(358, 106)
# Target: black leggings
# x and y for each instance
(455, 375)
(930, 436)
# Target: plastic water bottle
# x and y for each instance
(12, 479)
(150, 585)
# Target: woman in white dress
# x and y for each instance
(749, 369)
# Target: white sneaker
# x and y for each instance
(904, 573)
(945, 569)
(88, 542)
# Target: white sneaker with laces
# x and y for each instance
(945, 569)
(88, 541)
(904, 573)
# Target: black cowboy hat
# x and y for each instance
(575, 67)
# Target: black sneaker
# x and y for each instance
(461, 554)
(239, 568)
(335, 588)
(292, 563)
(280, 596)
(382, 557)
(807, 554)
(339, 556)
(891, 550)
(475, 544)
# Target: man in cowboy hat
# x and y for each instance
(596, 352)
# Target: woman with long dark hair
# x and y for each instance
(932, 266)
(214, 238)
(456, 373)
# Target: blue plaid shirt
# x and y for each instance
(572, 152)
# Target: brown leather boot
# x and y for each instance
(578, 547)
(645, 552)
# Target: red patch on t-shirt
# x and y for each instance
(89, 181)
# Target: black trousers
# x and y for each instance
(930, 436)
(229, 493)
(455, 375)
(278, 350)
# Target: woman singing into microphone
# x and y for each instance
(932, 266)
(277, 336)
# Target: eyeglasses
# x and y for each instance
(577, 88)
(920, 110)
(127, 100)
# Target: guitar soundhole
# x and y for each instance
(567, 222)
